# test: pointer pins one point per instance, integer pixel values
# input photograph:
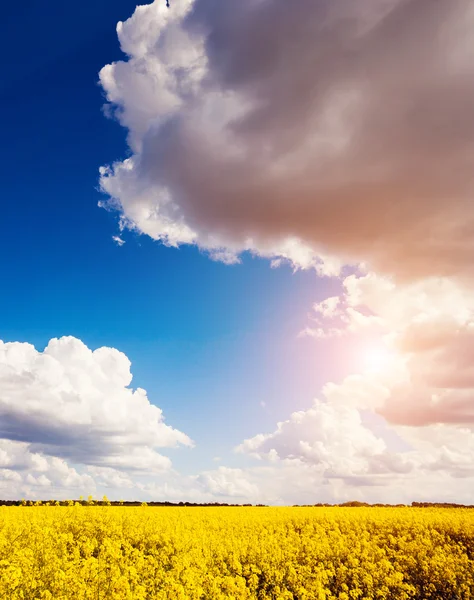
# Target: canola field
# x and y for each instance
(167, 553)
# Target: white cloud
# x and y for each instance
(329, 454)
(74, 403)
(331, 437)
(24, 473)
(118, 240)
(227, 482)
(110, 478)
(447, 448)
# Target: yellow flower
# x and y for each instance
(121, 553)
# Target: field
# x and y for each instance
(144, 553)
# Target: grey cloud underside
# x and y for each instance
(81, 444)
(350, 129)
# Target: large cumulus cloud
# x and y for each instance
(75, 404)
(300, 129)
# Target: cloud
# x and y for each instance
(110, 478)
(332, 453)
(322, 129)
(24, 473)
(118, 240)
(231, 483)
(223, 484)
(449, 448)
(74, 403)
(331, 437)
(419, 335)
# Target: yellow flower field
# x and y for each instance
(144, 553)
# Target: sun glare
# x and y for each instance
(378, 357)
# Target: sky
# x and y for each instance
(236, 251)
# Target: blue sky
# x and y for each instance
(347, 205)
(209, 342)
